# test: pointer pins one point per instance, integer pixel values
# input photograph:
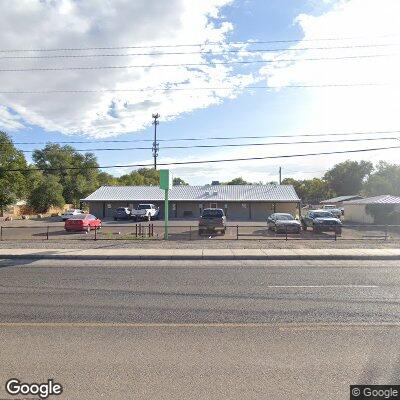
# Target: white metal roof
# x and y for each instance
(275, 193)
(383, 199)
(340, 199)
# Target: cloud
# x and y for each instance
(9, 121)
(36, 24)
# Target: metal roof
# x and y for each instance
(339, 199)
(276, 193)
(383, 199)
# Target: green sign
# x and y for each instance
(165, 183)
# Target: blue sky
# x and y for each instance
(61, 117)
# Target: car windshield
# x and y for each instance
(79, 216)
(121, 209)
(212, 214)
(323, 214)
(284, 217)
(143, 207)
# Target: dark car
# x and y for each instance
(122, 213)
(321, 221)
(212, 220)
(282, 223)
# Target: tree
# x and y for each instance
(105, 179)
(13, 184)
(77, 173)
(348, 177)
(384, 180)
(140, 177)
(310, 190)
(48, 193)
(179, 182)
(238, 181)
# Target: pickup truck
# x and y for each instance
(321, 221)
(145, 212)
(212, 220)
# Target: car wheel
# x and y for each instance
(115, 219)
(316, 229)
(304, 227)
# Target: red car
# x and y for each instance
(82, 223)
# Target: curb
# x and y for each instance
(195, 257)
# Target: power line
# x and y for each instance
(211, 63)
(225, 43)
(214, 138)
(171, 89)
(197, 52)
(201, 161)
(228, 145)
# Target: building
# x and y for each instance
(240, 202)
(338, 201)
(356, 210)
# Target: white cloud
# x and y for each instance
(35, 24)
(9, 121)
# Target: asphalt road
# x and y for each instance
(179, 330)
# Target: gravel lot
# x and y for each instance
(121, 234)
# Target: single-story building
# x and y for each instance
(356, 210)
(338, 201)
(240, 202)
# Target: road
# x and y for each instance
(190, 330)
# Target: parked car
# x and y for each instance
(68, 214)
(212, 220)
(321, 221)
(282, 223)
(145, 212)
(82, 223)
(122, 213)
(337, 212)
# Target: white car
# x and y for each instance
(68, 214)
(145, 212)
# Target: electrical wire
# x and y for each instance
(207, 53)
(171, 89)
(229, 145)
(200, 161)
(100, 67)
(214, 138)
(225, 43)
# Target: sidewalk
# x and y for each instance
(201, 254)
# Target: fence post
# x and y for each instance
(386, 232)
(237, 232)
(95, 233)
(1, 233)
(136, 230)
(286, 232)
(47, 233)
(190, 232)
(335, 235)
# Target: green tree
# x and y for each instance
(348, 177)
(179, 182)
(13, 184)
(310, 190)
(48, 193)
(105, 179)
(77, 173)
(238, 181)
(140, 177)
(384, 180)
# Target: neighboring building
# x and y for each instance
(241, 202)
(338, 201)
(355, 210)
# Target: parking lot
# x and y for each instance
(53, 229)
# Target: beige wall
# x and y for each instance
(356, 213)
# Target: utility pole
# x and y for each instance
(155, 147)
(280, 175)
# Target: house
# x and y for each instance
(356, 210)
(338, 201)
(240, 202)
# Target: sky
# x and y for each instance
(97, 70)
